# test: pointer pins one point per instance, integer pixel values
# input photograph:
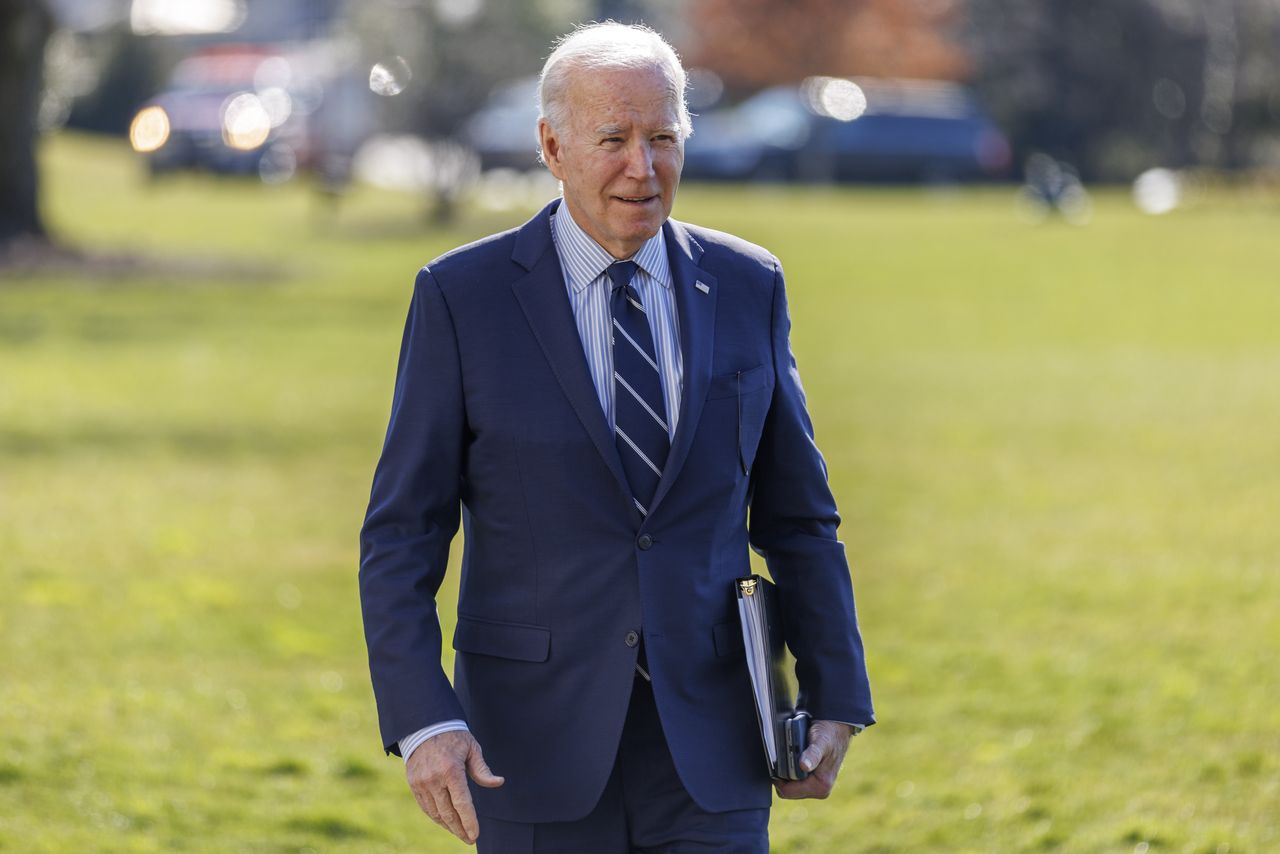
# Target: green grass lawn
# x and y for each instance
(1056, 448)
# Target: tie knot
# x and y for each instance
(621, 272)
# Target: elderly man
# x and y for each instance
(603, 395)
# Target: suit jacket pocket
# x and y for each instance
(748, 388)
(738, 382)
(516, 641)
(727, 638)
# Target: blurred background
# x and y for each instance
(1032, 266)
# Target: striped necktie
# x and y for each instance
(640, 414)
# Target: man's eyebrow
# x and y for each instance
(615, 130)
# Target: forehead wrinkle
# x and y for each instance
(623, 105)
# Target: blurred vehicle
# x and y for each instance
(234, 109)
(828, 129)
(834, 129)
(504, 132)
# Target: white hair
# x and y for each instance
(609, 45)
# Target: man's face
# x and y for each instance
(620, 156)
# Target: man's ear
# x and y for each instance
(549, 144)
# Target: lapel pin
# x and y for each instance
(706, 289)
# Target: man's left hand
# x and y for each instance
(828, 743)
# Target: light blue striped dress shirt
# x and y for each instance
(584, 263)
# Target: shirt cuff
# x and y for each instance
(410, 743)
(856, 728)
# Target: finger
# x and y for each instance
(448, 815)
(425, 802)
(466, 811)
(815, 752)
(792, 790)
(810, 787)
(429, 807)
(479, 770)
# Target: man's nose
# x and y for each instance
(640, 160)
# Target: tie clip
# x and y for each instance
(706, 289)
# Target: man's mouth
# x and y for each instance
(635, 200)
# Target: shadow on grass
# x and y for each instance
(287, 768)
(355, 769)
(329, 826)
(35, 257)
(205, 442)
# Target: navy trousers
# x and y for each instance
(644, 808)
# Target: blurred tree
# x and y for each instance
(446, 57)
(25, 27)
(1118, 86)
(127, 70)
(756, 43)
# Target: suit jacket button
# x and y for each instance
(644, 542)
(631, 639)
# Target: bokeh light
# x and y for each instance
(458, 13)
(279, 164)
(1157, 191)
(187, 17)
(390, 77)
(149, 130)
(1075, 204)
(843, 100)
(705, 88)
(277, 103)
(246, 124)
(273, 72)
(835, 97)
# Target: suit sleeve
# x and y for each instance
(412, 518)
(793, 523)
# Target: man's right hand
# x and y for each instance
(437, 773)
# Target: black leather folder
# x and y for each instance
(784, 729)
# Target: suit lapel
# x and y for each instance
(541, 294)
(695, 293)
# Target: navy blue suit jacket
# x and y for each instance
(495, 419)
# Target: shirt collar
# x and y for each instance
(585, 260)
